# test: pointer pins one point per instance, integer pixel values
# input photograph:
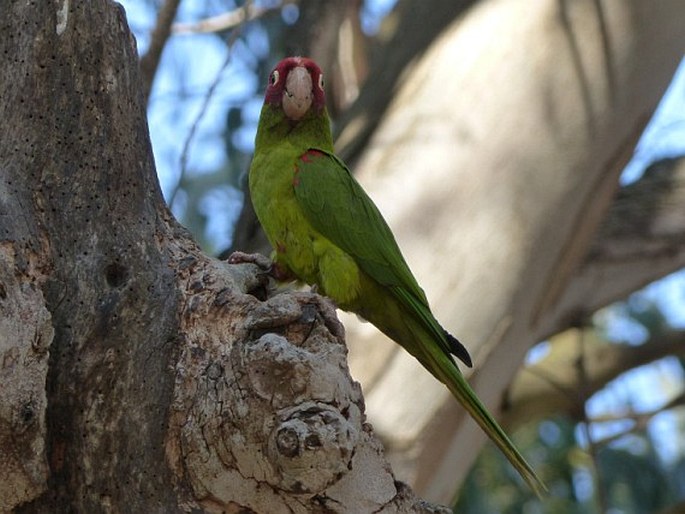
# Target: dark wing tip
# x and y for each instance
(458, 350)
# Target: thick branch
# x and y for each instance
(642, 239)
(554, 386)
(405, 35)
(506, 164)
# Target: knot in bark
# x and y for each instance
(312, 447)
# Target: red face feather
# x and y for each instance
(296, 84)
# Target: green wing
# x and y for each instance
(337, 207)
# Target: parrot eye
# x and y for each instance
(321, 82)
(274, 78)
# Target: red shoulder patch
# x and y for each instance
(311, 154)
(307, 157)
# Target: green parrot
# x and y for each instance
(327, 232)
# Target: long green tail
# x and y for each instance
(407, 319)
(444, 368)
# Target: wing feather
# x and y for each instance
(338, 208)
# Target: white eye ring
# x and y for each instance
(321, 82)
(274, 78)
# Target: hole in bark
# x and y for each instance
(260, 291)
(116, 275)
(27, 413)
(288, 442)
(312, 441)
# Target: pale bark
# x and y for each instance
(495, 164)
(577, 366)
(25, 336)
(139, 375)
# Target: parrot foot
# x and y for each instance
(253, 258)
(326, 308)
(271, 268)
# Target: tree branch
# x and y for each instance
(642, 239)
(552, 386)
(226, 21)
(150, 61)
(406, 34)
(640, 420)
(502, 190)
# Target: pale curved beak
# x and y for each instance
(297, 96)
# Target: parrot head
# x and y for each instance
(296, 86)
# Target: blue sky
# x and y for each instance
(665, 134)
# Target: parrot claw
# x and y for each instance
(253, 258)
(276, 270)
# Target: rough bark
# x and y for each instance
(81, 202)
(138, 374)
(641, 238)
(496, 163)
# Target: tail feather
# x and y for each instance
(441, 365)
(408, 320)
(439, 362)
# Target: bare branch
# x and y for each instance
(640, 420)
(552, 386)
(150, 61)
(582, 365)
(225, 21)
(205, 105)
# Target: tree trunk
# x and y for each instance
(138, 374)
(496, 163)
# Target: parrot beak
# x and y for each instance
(297, 96)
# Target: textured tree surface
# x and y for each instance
(139, 375)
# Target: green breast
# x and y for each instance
(308, 253)
(288, 231)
